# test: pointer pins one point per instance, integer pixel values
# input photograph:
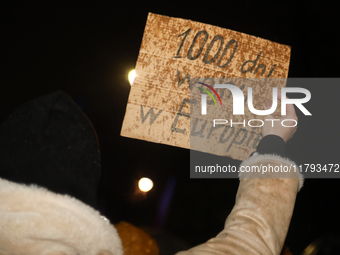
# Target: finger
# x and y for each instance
(279, 94)
(267, 104)
(290, 110)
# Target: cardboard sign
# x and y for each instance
(177, 53)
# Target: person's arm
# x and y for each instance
(259, 221)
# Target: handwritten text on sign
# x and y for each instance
(175, 54)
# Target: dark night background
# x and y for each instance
(87, 49)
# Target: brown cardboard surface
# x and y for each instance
(173, 54)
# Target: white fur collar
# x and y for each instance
(35, 221)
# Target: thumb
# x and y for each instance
(267, 104)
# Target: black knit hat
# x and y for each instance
(50, 142)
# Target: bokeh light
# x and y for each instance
(132, 76)
(145, 184)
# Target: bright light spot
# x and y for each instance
(145, 184)
(132, 76)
